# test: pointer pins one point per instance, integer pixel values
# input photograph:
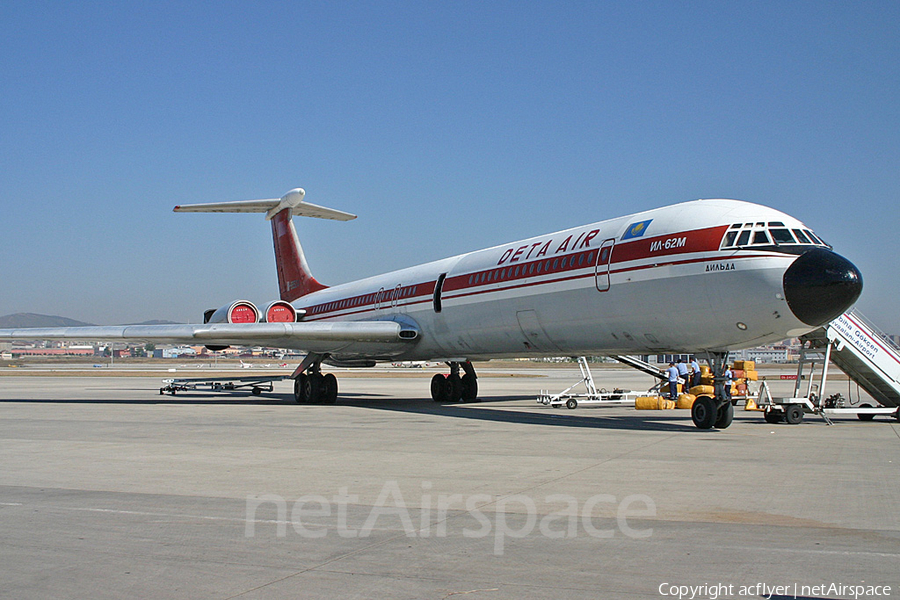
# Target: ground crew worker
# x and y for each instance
(695, 372)
(729, 379)
(683, 374)
(672, 372)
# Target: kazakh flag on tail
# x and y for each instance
(636, 229)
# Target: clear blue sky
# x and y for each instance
(445, 126)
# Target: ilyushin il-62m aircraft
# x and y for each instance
(701, 277)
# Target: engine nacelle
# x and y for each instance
(239, 311)
(280, 312)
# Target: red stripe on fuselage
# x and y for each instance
(698, 240)
(687, 242)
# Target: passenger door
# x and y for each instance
(603, 260)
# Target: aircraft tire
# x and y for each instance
(865, 417)
(793, 414)
(704, 413)
(454, 388)
(438, 388)
(469, 388)
(330, 389)
(300, 389)
(312, 388)
(725, 416)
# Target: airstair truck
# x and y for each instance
(861, 351)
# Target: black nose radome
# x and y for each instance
(821, 285)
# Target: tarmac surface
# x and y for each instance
(109, 490)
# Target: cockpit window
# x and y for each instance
(801, 237)
(781, 236)
(770, 234)
(760, 237)
(814, 237)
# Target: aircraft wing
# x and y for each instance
(345, 337)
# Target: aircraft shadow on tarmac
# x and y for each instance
(473, 411)
(537, 416)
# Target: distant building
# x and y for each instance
(70, 351)
(780, 353)
(174, 352)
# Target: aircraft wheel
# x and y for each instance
(330, 389)
(704, 412)
(725, 416)
(454, 388)
(773, 417)
(571, 403)
(438, 388)
(256, 391)
(312, 388)
(793, 414)
(469, 388)
(865, 417)
(300, 389)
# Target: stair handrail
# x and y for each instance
(881, 335)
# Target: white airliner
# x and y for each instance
(700, 277)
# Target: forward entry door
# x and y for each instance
(603, 260)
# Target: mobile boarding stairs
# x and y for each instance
(858, 349)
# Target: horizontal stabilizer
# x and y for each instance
(272, 206)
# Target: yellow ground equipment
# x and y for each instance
(685, 401)
(653, 403)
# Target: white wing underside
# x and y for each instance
(369, 338)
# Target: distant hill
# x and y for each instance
(32, 320)
(154, 322)
(22, 320)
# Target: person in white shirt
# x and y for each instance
(672, 373)
(695, 373)
(729, 379)
(683, 374)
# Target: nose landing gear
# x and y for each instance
(707, 411)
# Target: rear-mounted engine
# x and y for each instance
(240, 311)
(280, 312)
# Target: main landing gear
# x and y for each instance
(453, 387)
(313, 387)
(718, 411)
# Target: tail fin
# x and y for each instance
(294, 277)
